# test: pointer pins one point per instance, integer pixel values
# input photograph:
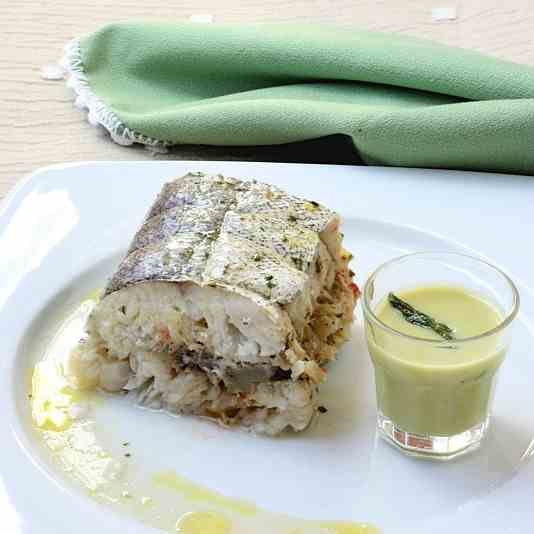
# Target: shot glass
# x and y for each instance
(434, 396)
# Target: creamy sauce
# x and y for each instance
(427, 388)
(65, 422)
(467, 314)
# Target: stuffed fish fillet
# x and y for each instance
(231, 298)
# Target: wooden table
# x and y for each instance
(39, 126)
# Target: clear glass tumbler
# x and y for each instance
(434, 396)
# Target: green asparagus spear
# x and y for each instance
(419, 318)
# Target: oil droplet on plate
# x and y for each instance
(334, 527)
(203, 523)
(196, 493)
(51, 398)
(346, 527)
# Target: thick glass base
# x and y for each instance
(434, 447)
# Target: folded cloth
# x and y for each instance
(402, 100)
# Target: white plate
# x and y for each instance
(62, 232)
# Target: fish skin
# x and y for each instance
(269, 199)
(194, 189)
(297, 245)
(240, 235)
(177, 259)
(204, 220)
(244, 196)
(233, 264)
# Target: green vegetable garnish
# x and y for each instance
(419, 318)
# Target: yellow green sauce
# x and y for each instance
(444, 388)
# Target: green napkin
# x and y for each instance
(403, 101)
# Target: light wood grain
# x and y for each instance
(39, 126)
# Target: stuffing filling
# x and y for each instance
(177, 372)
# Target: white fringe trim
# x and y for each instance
(99, 115)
